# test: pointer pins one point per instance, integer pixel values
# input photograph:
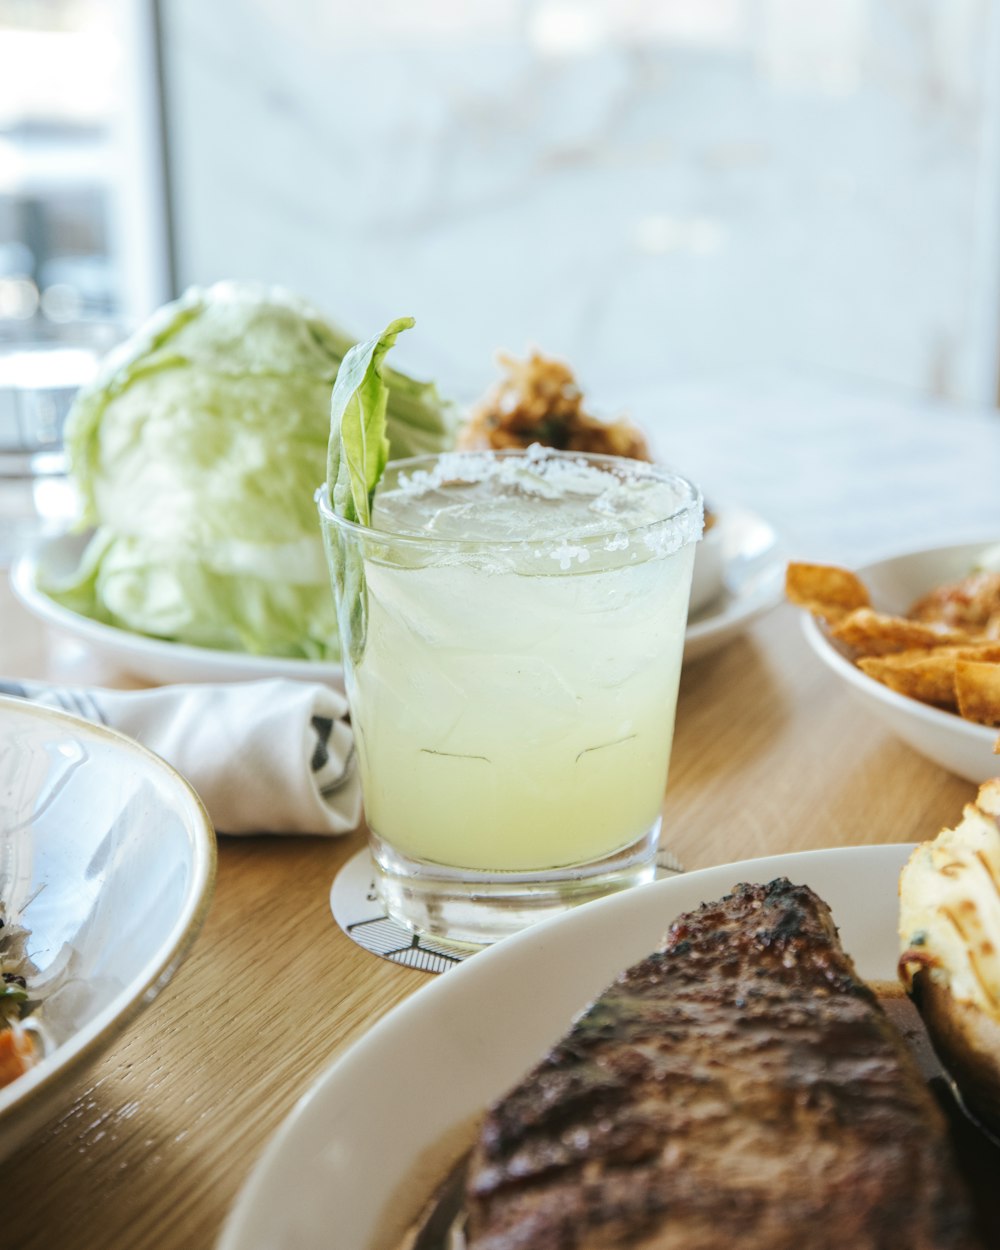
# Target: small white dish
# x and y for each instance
(153, 659)
(107, 858)
(360, 1152)
(708, 578)
(739, 574)
(895, 583)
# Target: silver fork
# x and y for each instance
(667, 864)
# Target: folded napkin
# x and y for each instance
(264, 756)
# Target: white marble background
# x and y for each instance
(653, 190)
(847, 474)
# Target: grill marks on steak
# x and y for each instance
(740, 1086)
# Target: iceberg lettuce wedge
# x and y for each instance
(197, 452)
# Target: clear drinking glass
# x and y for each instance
(39, 377)
(513, 627)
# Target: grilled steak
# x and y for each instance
(739, 1087)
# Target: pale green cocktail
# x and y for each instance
(512, 662)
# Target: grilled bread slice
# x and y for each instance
(949, 926)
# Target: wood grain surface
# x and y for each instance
(770, 755)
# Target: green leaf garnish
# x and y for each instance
(356, 460)
(359, 447)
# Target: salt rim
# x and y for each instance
(551, 473)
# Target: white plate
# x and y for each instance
(107, 857)
(740, 575)
(334, 1173)
(154, 659)
(944, 737)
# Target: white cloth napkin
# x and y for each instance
(264, 756)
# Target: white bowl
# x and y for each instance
(961, 746)
(107, 857)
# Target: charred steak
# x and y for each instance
(739, 1087)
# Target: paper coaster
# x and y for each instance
(358, 910)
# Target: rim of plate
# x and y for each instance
(61, 1067)
(24, 582)
(889, 555)
(240, 1219)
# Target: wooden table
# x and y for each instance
(770, 755)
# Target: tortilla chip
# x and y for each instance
(981, 651)
(977, 686)
(924, 674)
(935, 661)
(825, 590)
(877, 633)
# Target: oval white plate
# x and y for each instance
(332, 1174)
(895, 583)
(107, 858)
(154, 659)
(739, 577)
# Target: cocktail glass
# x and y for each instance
(513, 627)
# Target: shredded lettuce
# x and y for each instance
(197, 452)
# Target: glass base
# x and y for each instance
(476, 909)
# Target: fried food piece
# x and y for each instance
(928, 673)
(945, 652)
(977, 690)
(824, 589)
(539, 401)
(971, 604)
(18, 1053)
(868, 632)
(739, 1087)
(924, 674)
(949, 928)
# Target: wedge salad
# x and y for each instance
(196, 453)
